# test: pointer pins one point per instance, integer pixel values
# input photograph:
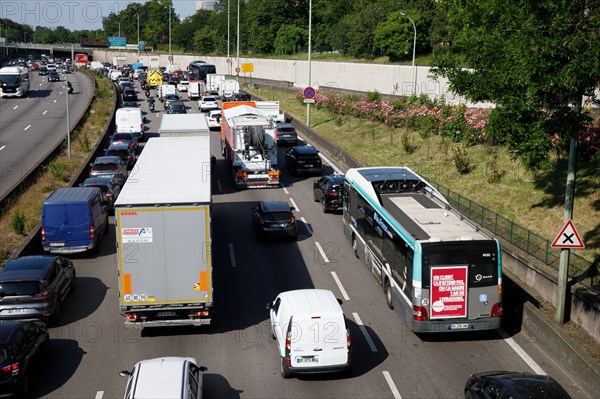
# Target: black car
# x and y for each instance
(22, 342)
(274, 218)
(124, 151)
(515, 385)
(241, 96)
(43, 71)
(53, 76)
(108, 185)
(176, 107)
(328, 191)
(35, 286)
(125, 138)
(129, 94)
(303, 159)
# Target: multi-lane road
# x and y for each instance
(90, 345)
(31, 127)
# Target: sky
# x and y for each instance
(74, 14)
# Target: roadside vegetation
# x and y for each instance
(22, 215)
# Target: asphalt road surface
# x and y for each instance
(31, 127)
(90, 345)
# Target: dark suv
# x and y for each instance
(21, 343)
(303, 159)
(274, 218)
(328, 191)
(35, 286)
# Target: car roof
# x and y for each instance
(107, 159)
(306, 149)
(160, 377)
(529, 385)
(275, 206)
(35, 262)
(22, 275)
(97, 180)
(337, 179)
(8, 328)
(127, 89)
(283, 124)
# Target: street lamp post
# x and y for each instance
(238, 42)
(138, 42)
(170, 56)
(228, 23)
(414, 52)
(309, 51)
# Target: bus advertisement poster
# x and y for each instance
(448, 292)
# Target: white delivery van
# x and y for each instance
(163, 90)
(310, 331)
(129, 120)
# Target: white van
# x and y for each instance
(129, 120)
(163, 90)
(310, 331)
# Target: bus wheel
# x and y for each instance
(388, 294)
(355, 246)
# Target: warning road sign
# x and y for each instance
(154, 78)
(568, 237)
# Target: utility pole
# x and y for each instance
(309, 51)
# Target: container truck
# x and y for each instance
(213, 83)
(174, 125)
(271, 108)
(228, 88)
(163, 231)
(248, 144)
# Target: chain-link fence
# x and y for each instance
(585, 272)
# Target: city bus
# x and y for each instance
(14, 81)
(199, 70)
(438, 270)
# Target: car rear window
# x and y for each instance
(105, 166)
(5, 358)
(122, 136)
(307, 157)
(209, 99)
(102, 187)
(278, 216)
(118, 153)
(286, 130)
(19, 288)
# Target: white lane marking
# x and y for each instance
(232, 256)
(54, 101)
(340, 286)
(28, 126)
(294, 205)
(322, 252)
(388, 379)
(3, 147)
(526, 358)
(99, 395)
(44, 113)
(335, 168)
(286, 191)
(364, 332)
(15, 107)
(310, 231)
(219, 185)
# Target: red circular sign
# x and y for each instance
(237, 70)
(309, 93)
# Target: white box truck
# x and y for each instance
(213, 83)
(163, 233)
(176, 125)
(228, 87)
(271, 108)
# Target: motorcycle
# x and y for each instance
(69, 89)
(151, 105)
(147, 92)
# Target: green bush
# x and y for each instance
(60, 171)
(462, 161)
(407, 144)
(373, 97)
(18, 222)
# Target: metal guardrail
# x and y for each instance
(581, 270)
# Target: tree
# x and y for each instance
(534, 60)
(290, 39)
(205, 40)
(395, 36)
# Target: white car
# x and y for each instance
(183, 85)
(214, 119)
(208, 103)
(165, 377)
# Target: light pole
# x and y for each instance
(119, 35)
(68, 117)
(138, 42)
(414, 50)
(309, 51)
(170, 56)
(228, 22)
(238, 43)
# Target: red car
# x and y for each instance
(34, 67)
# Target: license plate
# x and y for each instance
(57, 244)
(307, 359)
(166, 314)
(17, 311)
(308, 166)
(459, 326)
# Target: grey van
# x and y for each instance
(73, 219)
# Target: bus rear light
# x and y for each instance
(497, 310)
(419, 313)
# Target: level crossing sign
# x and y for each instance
(568, 237)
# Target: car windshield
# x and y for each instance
(277, 216)
(14, 288)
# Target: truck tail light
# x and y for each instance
(132, 316)
(419, 313)
(240, 175)
(274, 174)
(497, 310)
(43, 234)
(92, 232)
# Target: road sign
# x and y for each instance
(309, 101)
(568, 237)
(237, 70)
(229, 60)
(117, 41)
(309, 93)
(170, 58)
(248, 68)
(154, 78)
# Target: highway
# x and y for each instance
(90, 345)
(33, 126)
